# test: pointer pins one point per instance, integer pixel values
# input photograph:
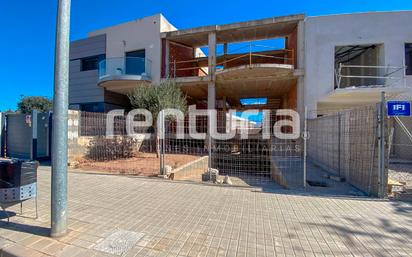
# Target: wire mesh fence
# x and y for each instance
(247, 151)
(400, 148)
(92, 148)
(345, 145)
(245, 157)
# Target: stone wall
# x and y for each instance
(98, 147)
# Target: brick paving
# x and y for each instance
(184, 219)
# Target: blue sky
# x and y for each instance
(27, 28)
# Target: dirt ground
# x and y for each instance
(144, 164)
(401, 172)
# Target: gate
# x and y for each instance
(26, 136)
(351, 146)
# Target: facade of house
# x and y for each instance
(325, 63)
(105, 65)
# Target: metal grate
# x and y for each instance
(119, 243)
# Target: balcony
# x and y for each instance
(123, 74)
(369, 76)
(362, 84)
(251, 70)
(234, 63)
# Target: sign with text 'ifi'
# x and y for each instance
(399, 108)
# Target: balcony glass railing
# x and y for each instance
(125, 66)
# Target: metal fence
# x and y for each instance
(400, 150)
(346, 145)
(244, 160)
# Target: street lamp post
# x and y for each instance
(60, 116)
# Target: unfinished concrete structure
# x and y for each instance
(224, 79)
(326, 63)
(351, 58)
(257, 69)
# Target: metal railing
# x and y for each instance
(368, 76)
(125, 66)
(239, 57)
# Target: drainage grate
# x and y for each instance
(119, 242)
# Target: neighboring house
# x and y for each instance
(104, 66)
(325, 63)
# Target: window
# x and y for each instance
(408, 58)
(135, 62)
(357, 65)
(91, 63)
(92, 107)
(137, 53)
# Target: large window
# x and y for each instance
(92, 107)
(357, 66)
(135, 62)
(408, 58)
(91, 63)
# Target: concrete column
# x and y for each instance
(224, 54)
(167, 61)
(300, 65)
(301, 96)
(211, 96)
(211, 89)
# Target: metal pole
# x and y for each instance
(381, 142)
(305, 139)
(60, 116)
(161, 142)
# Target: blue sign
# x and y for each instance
(399, 108)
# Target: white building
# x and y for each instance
(375, 45)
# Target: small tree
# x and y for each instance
(29, 103)
(156, 98)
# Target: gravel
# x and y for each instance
(401, 172)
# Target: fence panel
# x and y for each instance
(346, 144)
(90, 148)
(254, 160)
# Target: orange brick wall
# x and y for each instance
(178, 53)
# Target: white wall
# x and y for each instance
(135, 35)
(322, 34)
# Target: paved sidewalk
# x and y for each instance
(181, 219)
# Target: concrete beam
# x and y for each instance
(167, 61)
(234, 26)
